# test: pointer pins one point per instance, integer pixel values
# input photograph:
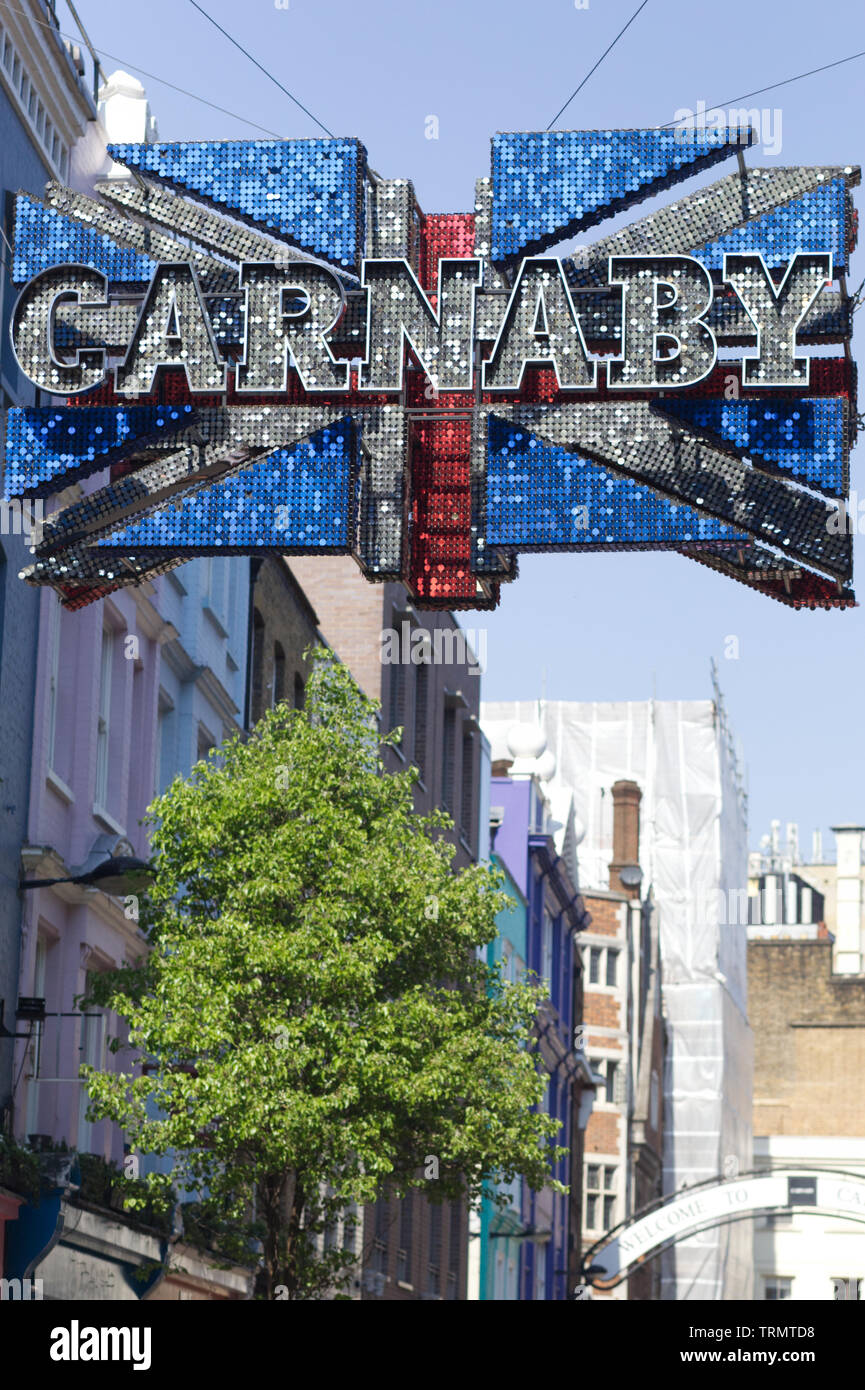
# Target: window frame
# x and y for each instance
(102, 780)
(597, 1194)
(777, 1279)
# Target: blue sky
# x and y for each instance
(590, 627)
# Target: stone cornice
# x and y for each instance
(43, 861)
(150, 620)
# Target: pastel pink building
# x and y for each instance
(97, 694)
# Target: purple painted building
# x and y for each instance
(528, 1249)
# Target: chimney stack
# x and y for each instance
(626, 839)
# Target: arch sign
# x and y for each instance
(263, 346)
(714, 1204)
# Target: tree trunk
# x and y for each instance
(293, 1271)
(270, 1197)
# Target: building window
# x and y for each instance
(776, 1288)
(404, 1251)
(454, 1244)
(93, 1053)
(257, 698)
(467, 798)
(165, 762)
(31, 106)
(207, 579)
(603, 966)
(421, 711)
(541, 1274)
(53, 682)
(278, 692)
(612, 969)
(612, 1073)
(396, 703)
(37, 1031)
(214, 586)
(600, 1196)
(433, 1283)
(204, 743)
(448, 750)
(547, 952)
(379, 1244)
(298, 691)
(614, 1079)
(349, 1229)
(847, 1288)
(508, 962)
(103, 717)
(654, 1101)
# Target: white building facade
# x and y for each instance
(693, 853)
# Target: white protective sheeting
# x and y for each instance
(693, 852)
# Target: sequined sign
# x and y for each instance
(264, 346)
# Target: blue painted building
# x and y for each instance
(202, 677)
(202, 683)
(527, 1248)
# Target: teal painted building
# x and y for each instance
(529, 1244)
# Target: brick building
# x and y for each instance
(283, 626)
(807, 1010)
(624, 1038)
(423, 670)
(424, 673)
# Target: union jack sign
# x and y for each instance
(263, 346)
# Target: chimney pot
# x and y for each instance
(626, 835)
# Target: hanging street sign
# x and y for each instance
(715, 1203)
(263, 346)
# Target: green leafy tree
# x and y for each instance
(313, 1021)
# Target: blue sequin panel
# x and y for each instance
(539, 495)
(309, 191)
(45, 238)
(805, 438)
(815, 222)
(46, 445)
(296, 499)
(549, 184)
